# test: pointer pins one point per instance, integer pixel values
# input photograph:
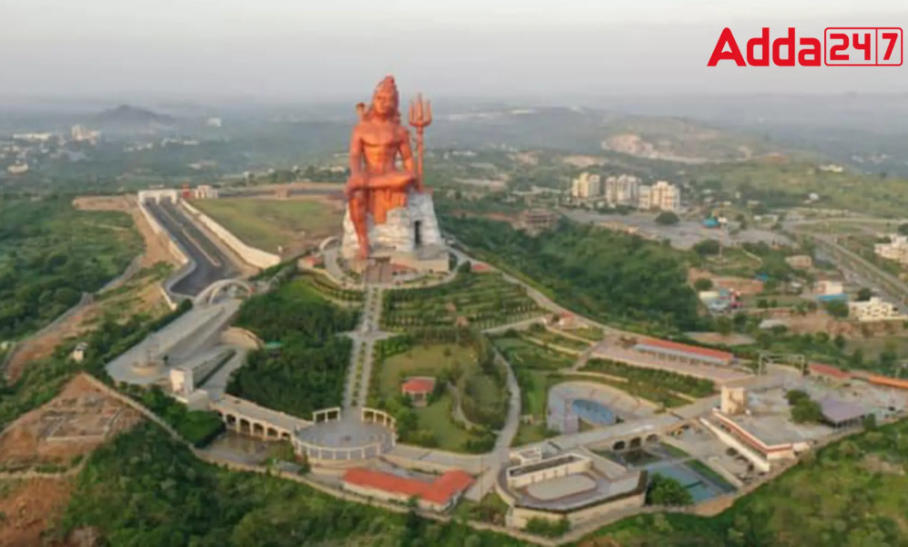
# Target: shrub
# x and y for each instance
(667, 218)
(664, 490)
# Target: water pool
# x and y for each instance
(593, 412)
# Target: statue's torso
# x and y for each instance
(381, 144)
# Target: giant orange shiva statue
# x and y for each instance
(387, 200)
(376, 185)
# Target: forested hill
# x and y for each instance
(607, 275)
(50, 253)
(307, 372)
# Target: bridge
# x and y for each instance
(211, 293)
(624, 436)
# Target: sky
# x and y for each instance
(287, 50)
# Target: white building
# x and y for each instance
(622, 190)
(17, 168)
(665, 196)
(896, 249)
(644, 201)
(205, 191)
(586, 186)
(874, 309)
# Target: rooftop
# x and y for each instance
(837, 411)
(668, 346)
(829, 370)
(577, 491)
(418, 384)
(441, 490)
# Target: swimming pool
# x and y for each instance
(700, 487)
(593, 412)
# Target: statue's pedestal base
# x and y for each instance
(409, 238)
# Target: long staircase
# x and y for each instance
(364, 337)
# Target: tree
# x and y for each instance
(903, 229)
(806, 410)
(839, 342)
(723, 325)
(836, 308)
(667, 218)
(667, 491)
(864, 294)
(707, 247)
(794, 396)
(703, 284)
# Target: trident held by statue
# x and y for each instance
(420, 118)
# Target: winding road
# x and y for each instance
(212, 264)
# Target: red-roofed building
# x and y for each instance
(829, 372)
(684, 352)
(480, 267)
(886, 381)
(439, 495)
(418, 389)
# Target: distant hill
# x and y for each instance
(591, 131)
(131, 118)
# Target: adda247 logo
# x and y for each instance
(841, 46)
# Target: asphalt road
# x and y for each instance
(211, 263)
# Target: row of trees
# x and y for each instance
(663, 379)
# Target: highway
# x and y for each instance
(212, 264)
(890, 286)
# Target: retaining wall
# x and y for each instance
(255, 257)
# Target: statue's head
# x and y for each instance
(385, 100)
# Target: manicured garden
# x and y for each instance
(458, 360)
(477, 300)
(329, 289)
(522, 351)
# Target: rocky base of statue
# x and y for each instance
(409, 237)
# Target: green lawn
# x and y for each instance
(437, 419)
(534, 392)
(421, 361)
(269, 223)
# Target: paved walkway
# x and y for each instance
(364, 337)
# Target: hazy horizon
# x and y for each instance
(279, 51)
